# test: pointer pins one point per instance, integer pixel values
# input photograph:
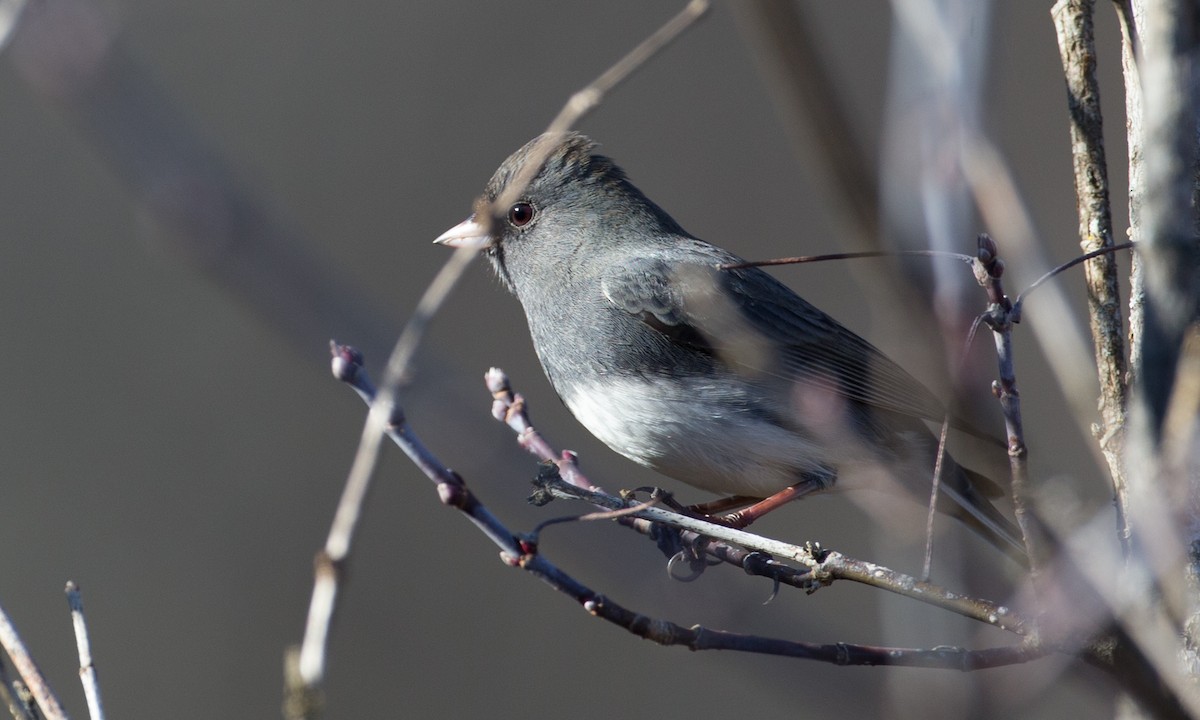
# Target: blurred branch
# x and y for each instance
(1164, 456)
(1076, 43)
(71, 57)
(306, 670)
(778, 35)
(1169, 64)
(10, 14)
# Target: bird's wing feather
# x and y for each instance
(709, 311)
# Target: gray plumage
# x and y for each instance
(724, 379)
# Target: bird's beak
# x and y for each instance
(467, 233)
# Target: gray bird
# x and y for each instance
(726, 380)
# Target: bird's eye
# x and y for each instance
(520, 214)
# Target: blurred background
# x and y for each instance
(172, 438)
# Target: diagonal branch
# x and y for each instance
(306, 667)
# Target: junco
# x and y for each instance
(724, 379)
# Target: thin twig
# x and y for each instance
(1076, 43)
(1064, 267)
(848, 256)
(934, 490)
(11, 641)
(87, 670)
(989, 271)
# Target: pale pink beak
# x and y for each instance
(467, 233)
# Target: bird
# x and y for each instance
(722, 378)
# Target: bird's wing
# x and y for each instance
(747, 318)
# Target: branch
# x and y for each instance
(805, 96)
(306, 670)
(87, 670)
(522, 551)
(1000, 316)
(1076, 42)
(731, 546)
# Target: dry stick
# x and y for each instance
(729, 545)
(11, 641)
(306, 668)
(1076, 44)
(1130, 47)
(87, 670)
(523, 552)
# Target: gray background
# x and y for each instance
(166, 447)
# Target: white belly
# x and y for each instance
(717, 444)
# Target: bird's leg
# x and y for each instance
(743, 518)
(722, 505)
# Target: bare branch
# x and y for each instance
(87, 670)
(989, 270)
(1076, 42)
(730, 545)
(523, 552)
